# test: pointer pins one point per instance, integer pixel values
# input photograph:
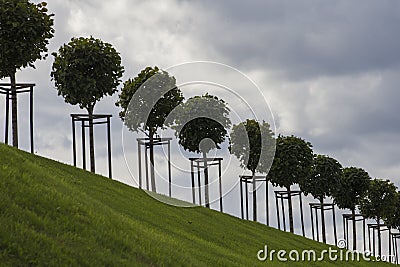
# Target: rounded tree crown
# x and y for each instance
(85, 70)
(25, 30)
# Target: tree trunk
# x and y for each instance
(353, 213)
(91, 141)
(14, 110)
(254, 198)
(321, 200)
(207, 194)
(151, 147)
(290, 210)
(379, 236)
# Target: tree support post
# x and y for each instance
(86, 123)
(5, 89)
(250, 179)
(284, 195)
(315, 208)
(195, 163)
(354, 219)
(145, 143)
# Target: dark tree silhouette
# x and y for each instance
(25, 30)
(253, 144)
(292, 163)
(84, 71)
(146, 102)
(351, 188)
(323, 180)
(379, 203)
(201, 124)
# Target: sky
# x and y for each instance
(327, 71)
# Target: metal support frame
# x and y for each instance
(250, 179)
(314, 208)
(195, 163)
(157, 141)
(395, 237)
(357, 218)
(5, 89)
(374, 228)
(284, 195)
(85, 123)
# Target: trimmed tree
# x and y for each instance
(394, 221)
(84, 71)
(146, 102)
(201, 124)
(324, 177)
(253, 144)
(379, 203)
(352, 187)
(24, 35)
(292, 163)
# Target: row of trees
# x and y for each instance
(87, 69)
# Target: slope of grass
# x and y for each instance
(53, 214)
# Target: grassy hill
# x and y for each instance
(56, 215)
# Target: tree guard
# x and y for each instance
(374, 228)
(195, 163)
(283, 195)
(157, 141)
(85, 123)
(250, 179)
(315, 208)
(5, 89)
(395, 237)
(355, 219)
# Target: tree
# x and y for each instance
(253, 144)
(24, 35)
(292, 163)
(394, 221)
(146, 102)
(352, 187)
(379, 203)
(201, 124)
(84, 71)
(324, 177)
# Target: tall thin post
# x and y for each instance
(334, 223)
(267, 200)
(140, 163)
(146, 162)
(241, 196)
(7, 116)
(198, 179)
(312, 222)
(73, 141)
(247, 200)
(220, 185)
(83, 146)
(109, 148)
(193, 189)
(169, 169)
(277, 211)
(283, 213)
(31, 117)
(301, 215)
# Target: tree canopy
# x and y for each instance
(292, 162)
(202, 118)
(352, 187)
(24, 34)
(85, 70)
(324, 177)
(148, 99)
(253, 143)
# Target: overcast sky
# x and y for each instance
(328, 69)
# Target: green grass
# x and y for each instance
(52, 214)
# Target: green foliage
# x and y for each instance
(253, 144)
(85, 70)
(394, 220)
(292, 162)
(25, 30)
(147, 100)
(324, 177)
(201, 118)
(351, 188)
(380, 200)
(52, 214)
